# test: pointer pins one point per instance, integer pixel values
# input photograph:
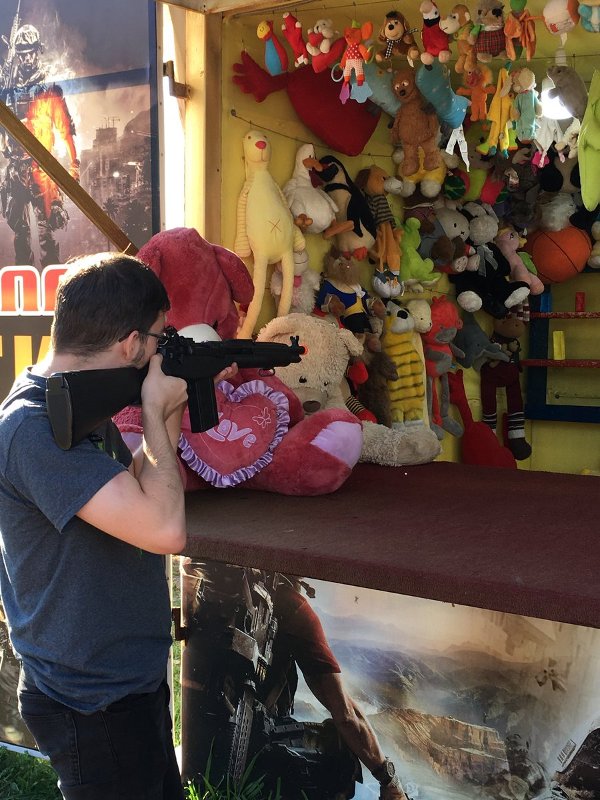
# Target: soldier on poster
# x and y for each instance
(29, 200)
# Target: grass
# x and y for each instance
(25, 777)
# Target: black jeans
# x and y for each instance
(124, 752)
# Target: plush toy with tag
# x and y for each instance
(262, 440)
(416, 126)
(318, 380)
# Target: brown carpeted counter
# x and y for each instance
(515, 541)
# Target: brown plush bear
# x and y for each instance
(415, 126)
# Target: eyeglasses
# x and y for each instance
(161, 338)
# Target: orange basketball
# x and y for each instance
(559, 255)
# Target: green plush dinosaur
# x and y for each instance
(415, 272)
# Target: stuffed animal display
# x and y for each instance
(266, 228)
(431, 257)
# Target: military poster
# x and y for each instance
(82, 77)
(466, 703)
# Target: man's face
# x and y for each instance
(28, 62)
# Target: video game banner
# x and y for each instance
(466, 703)
(81, 75)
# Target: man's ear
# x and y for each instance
(130, 346)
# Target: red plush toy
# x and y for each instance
(262, 438)
(345, 128)
(479, 444)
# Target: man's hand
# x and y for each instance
(163, 393)
(226, 373)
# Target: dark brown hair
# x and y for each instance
(102, 299)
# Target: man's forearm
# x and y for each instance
(159, 476)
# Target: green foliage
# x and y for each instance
(24, 777)
(248, 788)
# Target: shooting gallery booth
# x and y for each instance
(418, 564)
(457, 592)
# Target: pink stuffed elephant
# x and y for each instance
(262, 440)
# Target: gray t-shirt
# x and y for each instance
(88, 614)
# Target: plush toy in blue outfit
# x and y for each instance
(276, 58)
(434, 84)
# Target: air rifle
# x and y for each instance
(81, 400)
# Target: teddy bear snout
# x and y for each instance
(311, 406)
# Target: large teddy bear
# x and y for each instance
(319, 379)
(263, 439)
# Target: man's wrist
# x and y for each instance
(385, 773)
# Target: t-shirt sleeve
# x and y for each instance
(58, 482)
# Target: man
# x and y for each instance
(301, 640)
(27, 194)
(83, 533)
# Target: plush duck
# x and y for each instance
(352, 206)
(265, 228)
(314, 211)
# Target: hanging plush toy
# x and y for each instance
(292, 30)
(352, 207)
(569, 88)
(501, 375)
(440, 350)
(435, 40)
(315, 99)
(510, 243)
(434, 84)
(375, 184)
(527, 109)
(477, 86)
(458, 25)
(342, 296)
(397, 39)
(519, 30)
(265, 228)
(488, 34)
(589, 11)
(416, 126)
(560, 17)
(589, 148)
(313, 209)
(501, 114)
(276, 59)
(355, 54)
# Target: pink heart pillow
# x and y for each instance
(253, 419)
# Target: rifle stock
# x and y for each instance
(79, 401)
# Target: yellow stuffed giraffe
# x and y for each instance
(265, 228)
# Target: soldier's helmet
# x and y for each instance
(27, 39)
